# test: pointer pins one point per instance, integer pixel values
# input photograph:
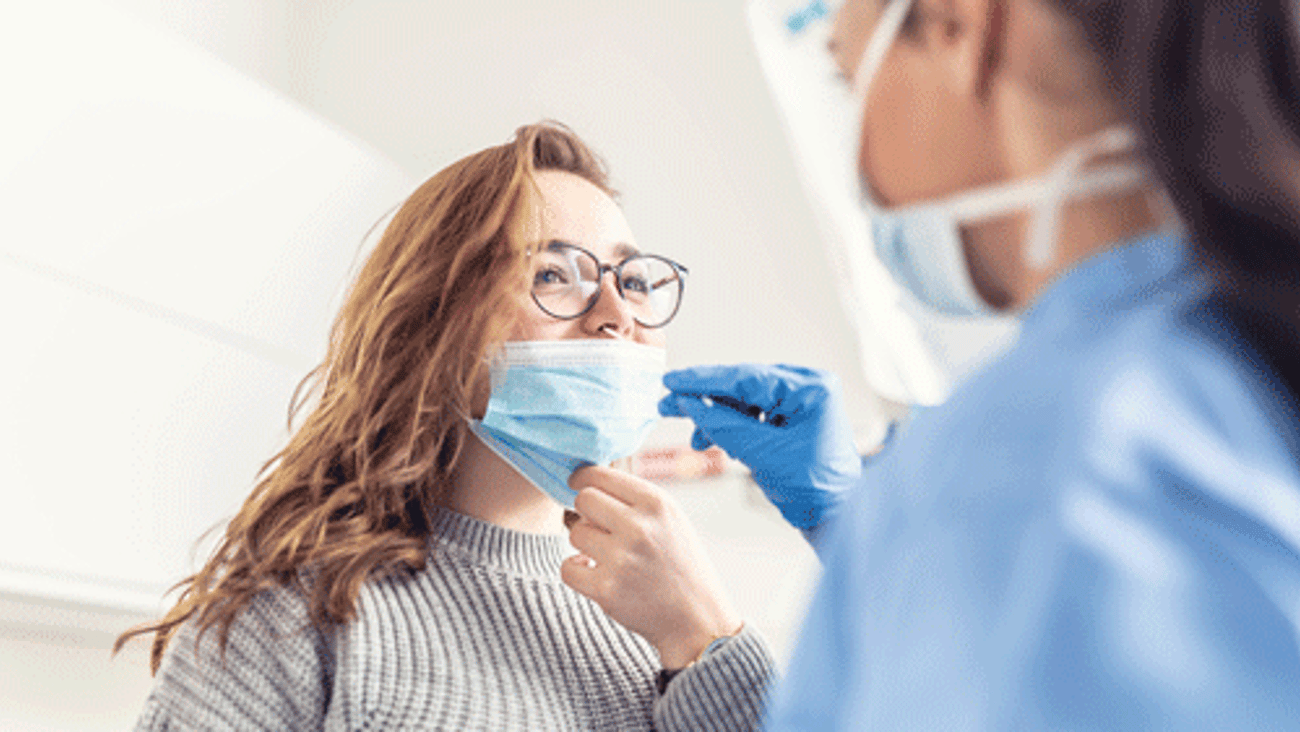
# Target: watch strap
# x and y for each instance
(666, 675)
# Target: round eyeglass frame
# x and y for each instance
(617, 269)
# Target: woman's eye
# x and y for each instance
(550, 276)
(636, 284)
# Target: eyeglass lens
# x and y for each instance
(566, 282)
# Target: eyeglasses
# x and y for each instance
(567, 282)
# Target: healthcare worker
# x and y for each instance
(1100, 529)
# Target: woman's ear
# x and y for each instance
(480, 393)
(967, 38)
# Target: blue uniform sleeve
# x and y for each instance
(1088, 607)
(892, 638)
(817, 675)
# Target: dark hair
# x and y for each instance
(1214, 89)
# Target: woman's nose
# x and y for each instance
(611, 311)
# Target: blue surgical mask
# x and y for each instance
(921, 244)
(557, 406)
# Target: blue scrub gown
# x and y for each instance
(1100, 531)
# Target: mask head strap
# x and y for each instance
(882, 39)
(1064, 179)
(873, 55)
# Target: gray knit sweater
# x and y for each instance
(486, 637)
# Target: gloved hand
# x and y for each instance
(787, 423)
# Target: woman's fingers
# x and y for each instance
(579, 573)
(591, 540)
(603, 510)
(627, 488)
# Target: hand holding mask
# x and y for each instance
(641, 562)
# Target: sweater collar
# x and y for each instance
(518, 552)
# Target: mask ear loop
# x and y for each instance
(1041, 245)
(882, 39)
(1168, 213)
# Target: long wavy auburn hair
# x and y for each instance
(348, 499)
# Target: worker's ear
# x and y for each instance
(966, 38)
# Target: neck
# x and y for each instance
(1086, 228)
(1035, 131)
(485, 487)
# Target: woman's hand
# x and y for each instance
(641, 562)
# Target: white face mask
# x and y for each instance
(921, 243)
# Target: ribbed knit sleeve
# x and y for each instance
(276, 673)
(726, 691)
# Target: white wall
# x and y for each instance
(176, 240)
(55, 669)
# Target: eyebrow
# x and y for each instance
(622, 250)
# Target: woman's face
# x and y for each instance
(574, 211)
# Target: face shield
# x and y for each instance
(909, 353)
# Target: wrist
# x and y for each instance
(678, 653)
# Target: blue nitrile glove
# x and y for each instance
(787, 423)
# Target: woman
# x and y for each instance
(394, 568)
(1100, 530)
